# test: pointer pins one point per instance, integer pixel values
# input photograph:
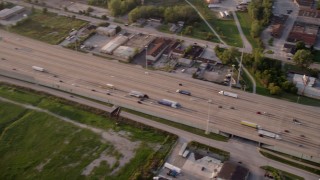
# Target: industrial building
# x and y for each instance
(277, 25)
(304, 3)
(107, 31)
(157, 48)
(304, 32)
(232, 171)
(307, 85)
(7, 13)
(114, 44)
(309, 16)
(125, 52)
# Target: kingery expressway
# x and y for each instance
(88, 75)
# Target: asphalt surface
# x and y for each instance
(88, 75)
(240, 151)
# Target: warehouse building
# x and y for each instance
(107, 31)
(114, 44)
(125, 52)
(7, 13)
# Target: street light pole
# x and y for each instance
(146, 57)
(240, 66)
(231, 75)
(207, 128)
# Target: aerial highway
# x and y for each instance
(84, 74)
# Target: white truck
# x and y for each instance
(138, 94)
(268, 134)
(37, 68)
(230, 94)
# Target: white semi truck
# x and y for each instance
(225, 93)
(37, 68)
(138, 94)
(268, 134)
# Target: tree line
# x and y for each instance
(168, 14)
(116, 7)
(261, 12)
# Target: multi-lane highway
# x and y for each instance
(88, 75)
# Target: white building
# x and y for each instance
(125, 52)
(7, 13)
(107, 31)
(306, 86)
(114, 44)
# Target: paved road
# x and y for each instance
(240, 151)
(88, 75)
(245, 41)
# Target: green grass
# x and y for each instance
(19, 95)
(142, 155)
(317, 56)
(200, 31)
(193, 130)
(8, 114)
(260, 89)
(48, 27)
(281, 175)
(31, 136)
(226, 28)
(245, 22)
(294, 164)
(228, 31)
(293, 157)
(38, 137)
(164, 28)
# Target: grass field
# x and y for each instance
(47, 27)
(245, 22)
(8, 114)
(38, 138)
(291, 163)
(279, 174)
(33, 139)
(227, 29)
(19, 95)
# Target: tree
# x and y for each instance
(303, 58)
(189, 30)
(300, 45)
(229, 55)
(44, 10)
(90, 9)
(255, 29)
(274, 90)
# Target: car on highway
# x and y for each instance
(295, 121)
(258, 112)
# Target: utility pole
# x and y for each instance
(231, 75)
(146, 57)
(208, 120)
(240, 66)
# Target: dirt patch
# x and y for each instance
(41, 165)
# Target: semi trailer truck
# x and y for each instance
(170, 103)
(230, 94)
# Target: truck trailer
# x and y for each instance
(170, 103)
(268, 134)
(138, 94)
(37, 68)
(230, 94)
(184, 92)
(251, 124)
